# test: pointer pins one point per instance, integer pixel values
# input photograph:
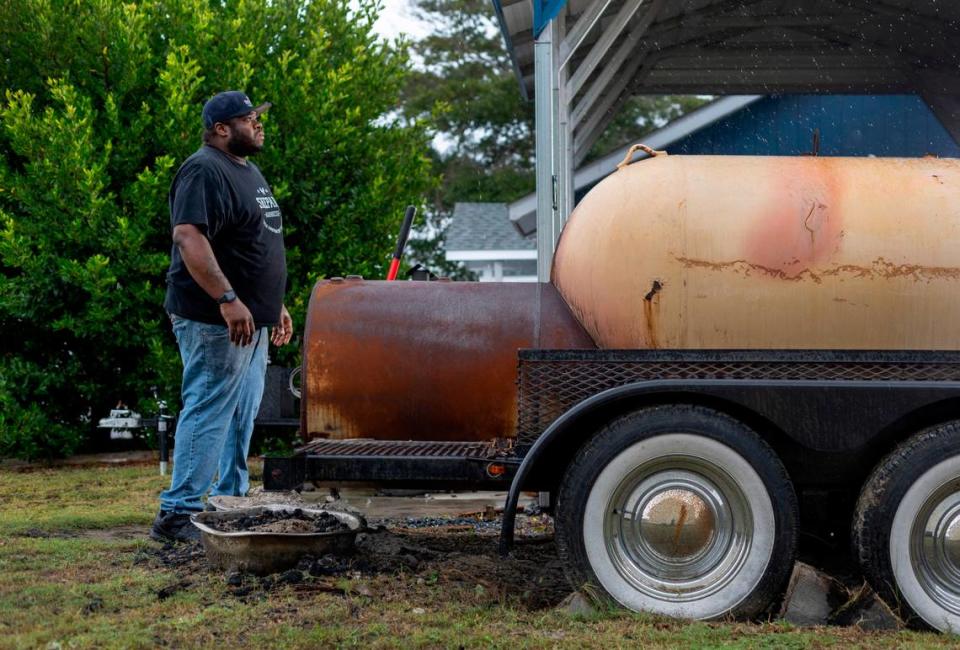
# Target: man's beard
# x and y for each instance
(241, 145)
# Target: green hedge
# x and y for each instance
(102, 102)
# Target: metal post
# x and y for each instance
(163, 429)
(162, 439)
(563, 151)
(544, 125)
(554, 145)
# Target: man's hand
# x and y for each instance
(284, 330)
(239, 322)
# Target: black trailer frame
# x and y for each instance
(830, 415)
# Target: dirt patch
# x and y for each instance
(295, 521)
(105, 534)
(174, 556)
(397, 561)
(37, 533)
(409, 561)
(532, 576)
(169, 590)
(117, 533)
(459, 553)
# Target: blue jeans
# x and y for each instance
(221, 391)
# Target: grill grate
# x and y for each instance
(552, 382)
(400, 448)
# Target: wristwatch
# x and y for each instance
(229, 296)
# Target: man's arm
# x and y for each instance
(203, 267)
(283, 330)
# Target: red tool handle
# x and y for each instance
(394, 267)
(401, 242)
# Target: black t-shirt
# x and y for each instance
(233, 206)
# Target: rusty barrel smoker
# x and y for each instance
(415, 383)
(429, 361)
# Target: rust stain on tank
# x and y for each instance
(651, 311)
(918, 272)
(743, 267)
(880, 268)
(424, 360)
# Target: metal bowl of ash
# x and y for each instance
(290, 499)
(271, 538)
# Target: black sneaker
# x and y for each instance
(174, 527)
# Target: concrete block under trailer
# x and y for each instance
(681, 476)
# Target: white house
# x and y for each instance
(482, 237)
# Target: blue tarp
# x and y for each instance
(543, 12)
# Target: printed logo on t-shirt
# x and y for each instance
(270, 210)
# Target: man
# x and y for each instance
(224, 291)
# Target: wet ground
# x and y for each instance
(459, 552)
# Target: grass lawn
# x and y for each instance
(78, 571)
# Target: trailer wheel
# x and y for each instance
(678, 510)
(906, 528)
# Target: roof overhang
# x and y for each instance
(743, 46)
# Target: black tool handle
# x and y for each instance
(404, 231)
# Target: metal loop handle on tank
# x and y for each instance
(290, 381)
(653, 153)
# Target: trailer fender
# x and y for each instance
(560, 427)
(869, 408)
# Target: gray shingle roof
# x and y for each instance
(484, 227)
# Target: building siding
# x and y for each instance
(849, 125)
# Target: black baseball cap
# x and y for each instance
(228, 105)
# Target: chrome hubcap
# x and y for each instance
(677, 524)
(678, 528)
(935, 546)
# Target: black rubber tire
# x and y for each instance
(647, 424)
(879, 501)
